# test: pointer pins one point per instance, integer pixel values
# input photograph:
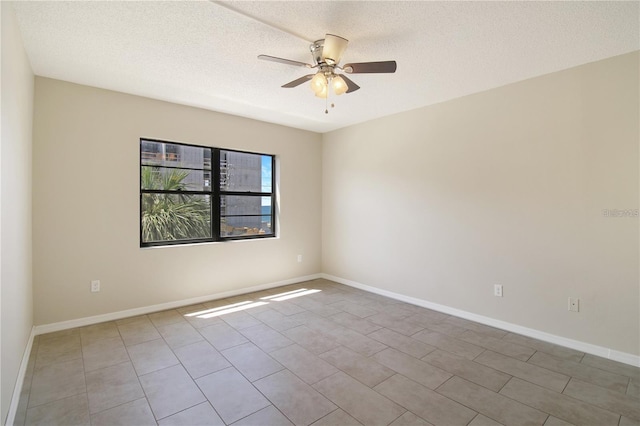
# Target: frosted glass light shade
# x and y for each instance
(318, 83)
(339, 85)
(323, 93)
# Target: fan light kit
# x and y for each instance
(327, 54)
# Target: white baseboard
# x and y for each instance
(589, 348)
(81, 322)
(17, 390)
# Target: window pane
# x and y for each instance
(234, 226)
(245, 215)
(175, 179)
(240, 171)
(167, 154)
(169, 217)
(244, 205)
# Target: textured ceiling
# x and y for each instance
(204, 53)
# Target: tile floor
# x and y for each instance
(323, 354)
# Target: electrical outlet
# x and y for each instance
(95, 286)
(574, 304)
(497, 290)
(299, 258)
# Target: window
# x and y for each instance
(191, 194)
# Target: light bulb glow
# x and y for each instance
(323, 93)
(319, 83)
(339, 85)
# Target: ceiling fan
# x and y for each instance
(327, 54)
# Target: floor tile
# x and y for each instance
(401, 342)
(73, 410)
(410, 419)
(633, 390)
(56, 334)
(311, 340)
(446, 328)
(252, 362)
(548, 348)
(615, 402)
(104, 353)
(337, 418)
(59, 349)
(394, 323)
(105, 330)
(491, 404)
(132, 413)
(428, 404)
(361, 368)
(449, 344)
(513, 350)
(581, 371)
(170, 390)
(427, 317)
(112, 386)
(179, 334)
(232, 396)
(558, 405)
(276, 320)
(227, 302)
(398, 311)
(56, 381)
(316, 307)
(358, 400)
(201, 359)
(240, 320)
(151, 356)
(266, 338)
(354, 309)
(481, 420)
(355, 323)
(554, 421)
(166, 317)
(188, 312)
(298, 401)
(358, 342)
(137, 331)
(612, 366)
(419, 371)
(267, 416)
(304, 364)
(469, 370)
(286, 308)
(478, 328)
(529, 372)
(201, 415)
(625, 421)
(222, 336)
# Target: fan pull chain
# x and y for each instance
(326, 101)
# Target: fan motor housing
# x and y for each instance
(316, 51)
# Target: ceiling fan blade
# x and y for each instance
(370, 67)
(284, 61)
(298, 81)
(352, 87)
(334, 47)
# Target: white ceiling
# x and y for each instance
(204, 53)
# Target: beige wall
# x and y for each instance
(16, 307)
(86, 204)
(502, 187)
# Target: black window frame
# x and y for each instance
(215, 194)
